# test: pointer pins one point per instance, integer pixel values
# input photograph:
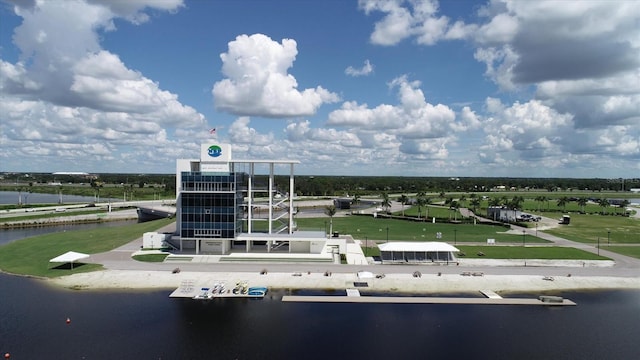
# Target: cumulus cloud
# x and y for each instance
(576, 62)
(418, 19)
(67, 92)
(366, 69)
(257, 81)
(412, 118)
(583, 72)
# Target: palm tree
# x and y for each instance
(403, 199)
(330, 210)
(386, 203)
(604, 203)
(454, 205)
(475, 202)
(582, 202)
(420, 201)
(562, 202)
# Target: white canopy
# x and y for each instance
(69, 257)
(424, 246)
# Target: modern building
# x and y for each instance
(220, 209)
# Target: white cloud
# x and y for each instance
(257, 82)
(366, 69)
(241, 133)
(406, 19)
(412, 118)
(67, 99)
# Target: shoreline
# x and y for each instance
(391, 283)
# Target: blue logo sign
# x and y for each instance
(214, 151)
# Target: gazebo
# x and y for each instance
(69, 257)
(417, 252)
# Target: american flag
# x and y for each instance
(212, 131)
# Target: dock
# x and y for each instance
(189, 290)
(491, 298)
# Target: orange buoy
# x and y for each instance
(68, 321)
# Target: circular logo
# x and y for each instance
(214, 151)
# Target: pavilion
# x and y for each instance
(417, 252)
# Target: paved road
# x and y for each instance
(120, 259)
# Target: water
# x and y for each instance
(150, 325)
(10, 235)
(11, 197)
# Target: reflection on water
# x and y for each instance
(150, 325)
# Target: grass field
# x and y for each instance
(366, 227)
(609, 229)
(31, 256)
(540, 252)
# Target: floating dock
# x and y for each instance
(491, 298)
(188, 289)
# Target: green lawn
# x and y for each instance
(151, 257)
(633, 251)
(588, 228)
(31, 256)
(520, 252)
(367, 227)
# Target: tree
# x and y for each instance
(582, 202)
(562, 202)
(420, 201)
(403, 201)
(386, 203)
(330, 210)
(475, 202)
(604, 203)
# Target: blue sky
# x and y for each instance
(394, 88)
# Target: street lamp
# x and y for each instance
(608, 237)
(523, 236)
(598, 245)
(387, 234)
(536, 229)
(455, 236)
(366, 245)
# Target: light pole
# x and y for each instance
(366, 245)
(536, 229)
(455, 236)
(523, 236)
(608, 237)
(598, 245)
(387, 234)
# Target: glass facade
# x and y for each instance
(211, 205)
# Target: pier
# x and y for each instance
(491, 298)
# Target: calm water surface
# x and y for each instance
(150, 325)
